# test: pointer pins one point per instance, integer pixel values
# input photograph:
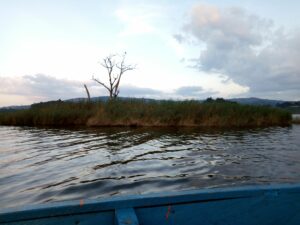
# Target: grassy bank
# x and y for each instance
(147, 113)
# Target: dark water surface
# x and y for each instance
(41, 165)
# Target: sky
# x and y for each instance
(182, 49)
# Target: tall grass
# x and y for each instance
(147, 113)
(52, 114)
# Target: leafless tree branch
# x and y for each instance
(116, 68)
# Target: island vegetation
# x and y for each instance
(143, 112)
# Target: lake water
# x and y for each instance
(40, 165)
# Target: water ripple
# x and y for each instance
(42, 164)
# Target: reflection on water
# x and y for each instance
(41, 165)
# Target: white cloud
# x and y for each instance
(193, 92)
(247, 49)
(39, 87)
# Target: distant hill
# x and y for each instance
(14, 108)
(94, 99)
(293, 107)
(256, 101)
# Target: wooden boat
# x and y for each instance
(273, 204)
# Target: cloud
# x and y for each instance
(184, 92)
(193, 92)
(189, 90)
(40, 87)
(133, 91)
(228, 28)
(246, 48)
(180, 38)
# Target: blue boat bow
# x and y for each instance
(270, 204)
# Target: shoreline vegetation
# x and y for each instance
(139, 112)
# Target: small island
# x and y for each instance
(146, 112)
(134, 112)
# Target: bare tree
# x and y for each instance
(115, 69)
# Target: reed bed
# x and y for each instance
(136, 112)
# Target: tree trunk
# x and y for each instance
(88, 93)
